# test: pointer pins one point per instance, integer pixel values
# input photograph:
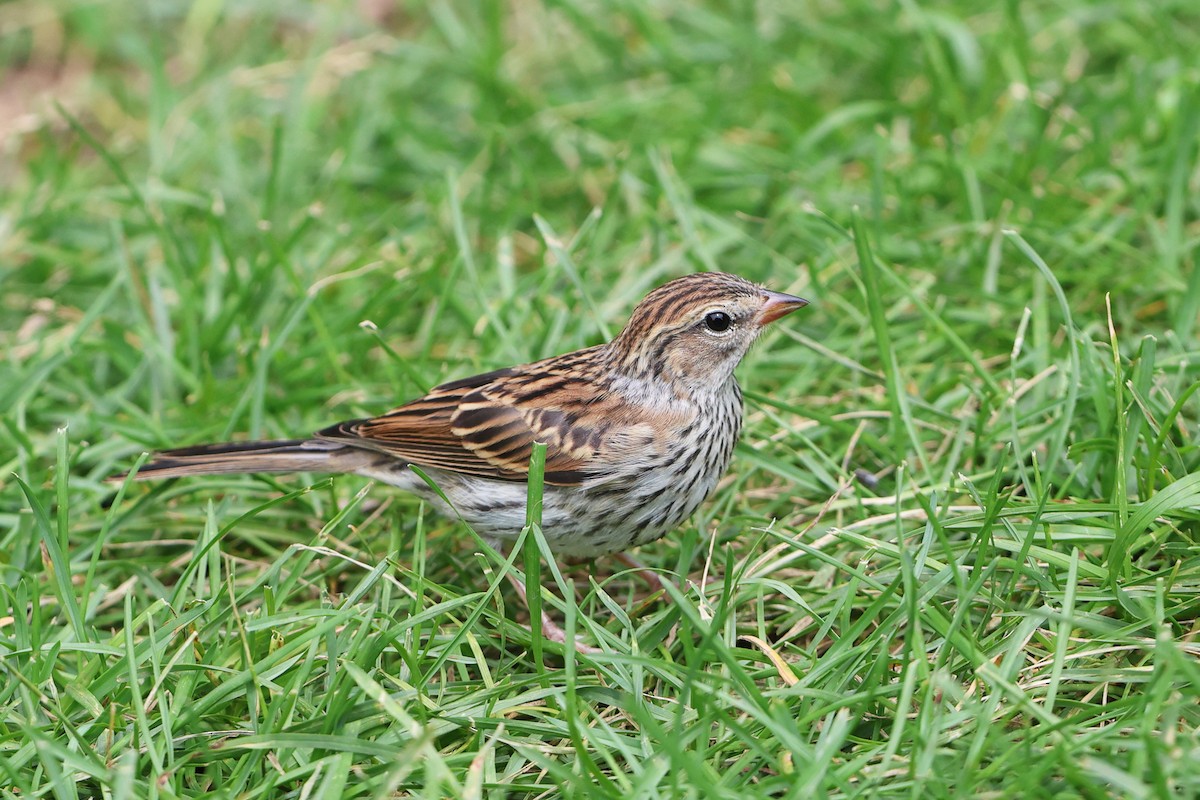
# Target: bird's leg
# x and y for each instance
(653, 578)
(550, 628)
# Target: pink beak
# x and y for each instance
(779, 305)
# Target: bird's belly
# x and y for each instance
(586, 521)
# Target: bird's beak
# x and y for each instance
(779, 305)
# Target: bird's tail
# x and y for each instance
(290, 455)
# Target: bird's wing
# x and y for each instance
(486, 425)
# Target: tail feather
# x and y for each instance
(290, 455)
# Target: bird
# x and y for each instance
(638, 430)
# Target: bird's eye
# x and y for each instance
(717, 321)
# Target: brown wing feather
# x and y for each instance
(486, 425)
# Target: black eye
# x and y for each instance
(717, 321)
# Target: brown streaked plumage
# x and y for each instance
(638, 431)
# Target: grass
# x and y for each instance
(956, 555)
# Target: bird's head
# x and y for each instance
(694, 330)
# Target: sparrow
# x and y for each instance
(637, 431)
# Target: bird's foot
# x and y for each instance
(550, 628)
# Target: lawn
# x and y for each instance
(956, 554)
